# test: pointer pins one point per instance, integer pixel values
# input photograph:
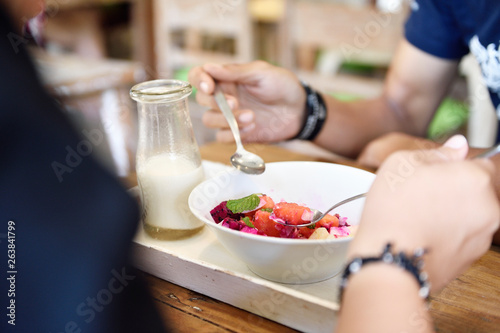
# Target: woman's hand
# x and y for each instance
(433, 199)
(268, 101)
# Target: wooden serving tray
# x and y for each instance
(202, 264)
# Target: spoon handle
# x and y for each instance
(359, 196)
(489, 153)
(226, 111)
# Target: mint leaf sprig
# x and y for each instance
(245, 204)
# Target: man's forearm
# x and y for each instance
(351, 125)
(413, 89)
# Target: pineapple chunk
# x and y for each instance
(319, 233)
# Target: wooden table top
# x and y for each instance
(470, 303)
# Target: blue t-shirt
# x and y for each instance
(450, 29)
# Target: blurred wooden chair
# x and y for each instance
(193, 32)
(95, 92)
(102, 28)
(339, 31)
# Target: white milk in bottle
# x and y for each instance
(166, 184)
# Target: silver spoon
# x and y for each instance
(317, 215)
(489, 152)
(242, 159)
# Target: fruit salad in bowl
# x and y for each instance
(285, 190)
(258, 214)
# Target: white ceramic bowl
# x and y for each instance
(315, 184)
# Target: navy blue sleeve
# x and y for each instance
(67, 234)
(432, 28)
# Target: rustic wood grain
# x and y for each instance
(471, 302)
(221, 152)
(188, 311)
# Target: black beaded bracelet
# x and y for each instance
(412, 264)
(315, 114)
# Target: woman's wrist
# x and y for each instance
(410, 262)
(386, 297)
(382, 277)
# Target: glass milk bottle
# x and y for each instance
(168, 159)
